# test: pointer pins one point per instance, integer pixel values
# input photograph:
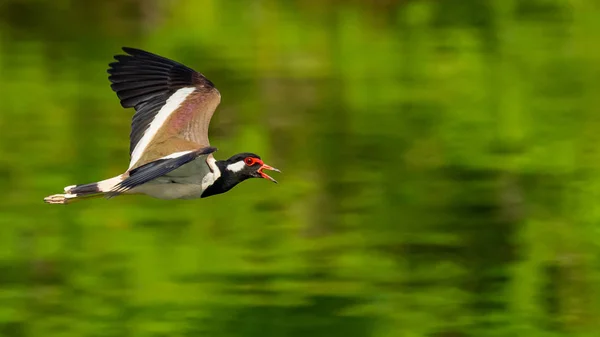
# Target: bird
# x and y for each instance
(170, 153)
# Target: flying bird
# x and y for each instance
(171, 157)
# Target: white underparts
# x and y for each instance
(237, 166)
(172, 104)
(212, 176)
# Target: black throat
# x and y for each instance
(225, 182)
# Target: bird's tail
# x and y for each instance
(86, 191)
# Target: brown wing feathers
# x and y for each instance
(145, 81)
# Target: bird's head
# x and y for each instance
(248, 165)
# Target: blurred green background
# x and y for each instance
(441, 171)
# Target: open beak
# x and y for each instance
(266, 176)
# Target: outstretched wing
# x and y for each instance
(157, 168)
(173, 104)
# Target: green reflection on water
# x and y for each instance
(440, 171)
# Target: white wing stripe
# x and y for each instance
(159, 120)
(175, 155)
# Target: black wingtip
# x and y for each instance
(208, 150)
(132, 51)
(143, 54)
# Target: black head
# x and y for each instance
(237, 169)
(248, 165)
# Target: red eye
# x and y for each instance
(249, 161)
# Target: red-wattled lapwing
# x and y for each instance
(171, 157)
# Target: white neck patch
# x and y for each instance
(236, 167)
(210, 177)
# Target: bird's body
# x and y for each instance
(171, 157)
(186, 182)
